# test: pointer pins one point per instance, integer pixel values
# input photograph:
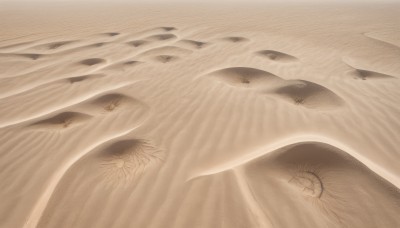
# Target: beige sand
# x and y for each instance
(150, 116)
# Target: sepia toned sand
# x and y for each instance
(155, 116)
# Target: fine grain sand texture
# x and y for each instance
(173, 116)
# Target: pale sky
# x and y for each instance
(213, 1)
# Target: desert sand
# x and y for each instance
(167, 116)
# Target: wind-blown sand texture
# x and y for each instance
(163, 116)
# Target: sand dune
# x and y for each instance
(193, 44)
(326, 181)
(276, 56)
(199, 116)
(245, 77)
(62, 120)
(309, 94)
(369, 75)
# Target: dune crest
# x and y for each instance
(270, 115)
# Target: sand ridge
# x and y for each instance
(138, 116)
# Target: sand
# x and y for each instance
(158, 116)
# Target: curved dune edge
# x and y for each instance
(61, 121)
(261, 217)
(365, 75)
(40, 206)
(371, 36)
(303, 93)
(67, 104)
(290, 141)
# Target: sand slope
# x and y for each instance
(156, 116)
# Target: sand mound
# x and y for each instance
(235, 39)
(165, 58)
(325, 186)
(92, 61)
(332, 186)
(167, 29)
(123, 66)
(124, 160)
(166, 50)
(309, 95)
(137, 43)
(112, 102)
(276, 56)
(111, 33)
(368, 75)
(30, 56)
(176, 116)
(53, 45)
(97, 45)
(328, 182)
(62, 121)
(245, 77)
(193, 44)
(115, 167)
(165, 54)
(82, 78)
(161, 37)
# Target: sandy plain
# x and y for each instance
(199, 116)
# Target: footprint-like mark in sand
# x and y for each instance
(62, 121)
(193, 44)
(92, 61)
(368, 75)
(235, 39)
(245, 77)
(161, 37)
(124, 160)
(308, 94)
(276, 56)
